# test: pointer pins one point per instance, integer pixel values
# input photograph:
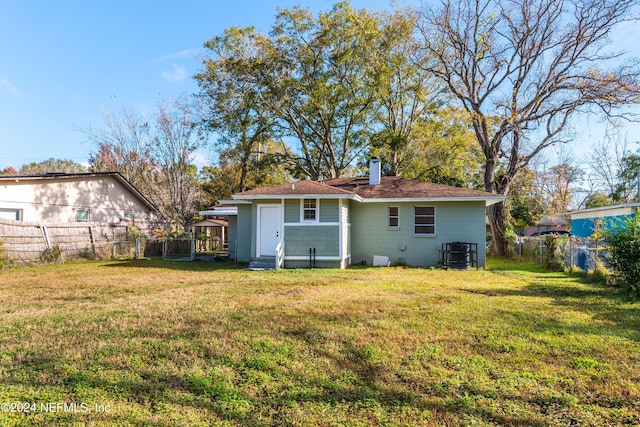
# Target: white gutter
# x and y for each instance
(488, 200)
(240, 199)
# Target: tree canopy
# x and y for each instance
(521, 69)
(154, 154)
(51, 166)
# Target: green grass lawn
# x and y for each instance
(168, 343)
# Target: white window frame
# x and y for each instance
(17, 213)
(316, 210)
(128, 215)
(415, 224)
(87, 210)
(396, 216)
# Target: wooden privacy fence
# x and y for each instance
(25, 242)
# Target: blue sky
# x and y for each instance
(63, 62)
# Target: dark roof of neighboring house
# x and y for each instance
(551, 220)
(58, 176)
(359, 189)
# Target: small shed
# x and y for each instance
(211, 227)
(584, 221)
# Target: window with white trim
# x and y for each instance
(309, 209)
(424, 220)
(394, 217)
(14, 214)
(82, 215)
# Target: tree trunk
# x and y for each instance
(497, 215)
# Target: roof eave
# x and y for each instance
(69, 176)
(604, 208)
(238, 197)
(490, 200)
(133, 190)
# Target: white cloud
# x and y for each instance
(180, 54)
(200, 160)
(177, 73)
(4, 83)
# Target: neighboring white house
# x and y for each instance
(105, 197)
(350, 220)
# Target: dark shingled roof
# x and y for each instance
(393, 187)
(390, 187)
(295, 188)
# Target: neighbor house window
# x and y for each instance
(14, 214)
(309, 209)
(82, 215)
(394, 217)
(425, 220)
(128, 214)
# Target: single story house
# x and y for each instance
(343, 221)
(105, 197)
(583, 221)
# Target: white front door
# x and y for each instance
(269, 229)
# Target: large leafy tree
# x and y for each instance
(52, 165)
(597, 200)
(557, 185)
(313, 81)
(521, 69)
(232, 102)
(409, 98)
(443, 150)
(233, 173)
(525, 203)
(324, 81)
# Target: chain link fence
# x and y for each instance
(575, 251)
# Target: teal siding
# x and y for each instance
(455, 221)
(243, 242)
(585, 227)
(232, 235)
(346, 211)
(329, 210)
(324, 238)
(292, 210)
(318, 264)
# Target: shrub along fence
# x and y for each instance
(567, 251)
